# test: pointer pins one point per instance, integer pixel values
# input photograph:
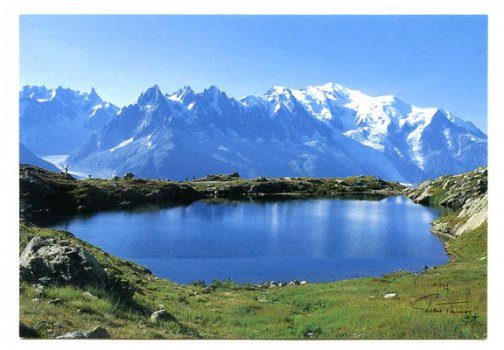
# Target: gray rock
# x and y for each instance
(206, 290)
(39, 291)
(89, 295)
(48, 261)
(162, 315)
(272, 284)
(95, 333)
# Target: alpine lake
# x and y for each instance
(253, 241)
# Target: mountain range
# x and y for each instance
(318, 131)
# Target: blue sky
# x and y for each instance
(425, 60)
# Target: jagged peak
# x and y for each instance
(213, 89)
(34, 91)
(93, 93)
(93, 96)
(151, 95)
(277, 91)
(214, 93)
(181, 95)
(62, 88)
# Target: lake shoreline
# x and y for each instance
(43, 192)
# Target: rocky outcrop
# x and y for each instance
(56, 262)
(451, 191)
(42, 191)
(298, 187)
(473, 214)
(466, 194)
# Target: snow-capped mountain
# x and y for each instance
(320, 131)
(57, 121)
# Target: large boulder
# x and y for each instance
(57, 262)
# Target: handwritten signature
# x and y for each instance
(437, 303)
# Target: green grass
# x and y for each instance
(350, 309)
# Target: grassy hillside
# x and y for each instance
(444, 302)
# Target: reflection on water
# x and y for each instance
(251, 241)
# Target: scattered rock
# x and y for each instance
(261, 299)
(270, 284)
(162, 315)
(86, 310)
(55, 301)
(220, 177)
(206, 290)
(390, 296)
(45, 281)
(275, 284)
(95, 333)
(89, 295)
(262, 179)
(39, 291)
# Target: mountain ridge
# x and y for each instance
(320, 131)
(56, 121)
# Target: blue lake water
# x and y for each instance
(250, 241)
